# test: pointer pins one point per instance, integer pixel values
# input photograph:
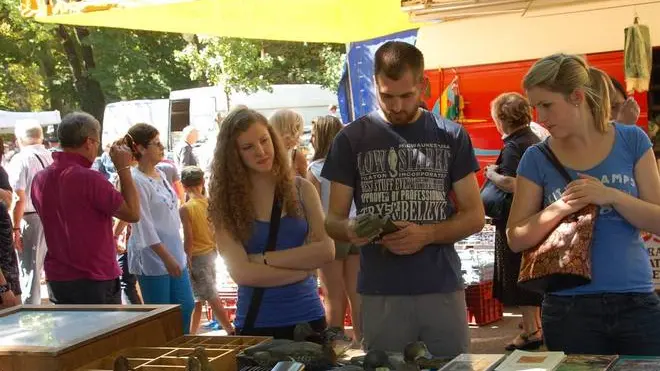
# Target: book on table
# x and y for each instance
(636, 363)
(474, 362)
(587, 362)
(521, 360)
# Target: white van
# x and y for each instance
(203, 104)
(120, 116)
(200, 107)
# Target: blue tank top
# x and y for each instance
(283, 305)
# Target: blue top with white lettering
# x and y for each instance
(406, 172)
(619, 261)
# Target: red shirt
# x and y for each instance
(76, 205)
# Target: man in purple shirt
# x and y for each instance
(76, 205)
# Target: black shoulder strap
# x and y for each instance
(40, 161)
(545, 148)
(258, 292)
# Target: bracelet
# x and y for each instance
(15, 229)
(124, 168)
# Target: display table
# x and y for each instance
(221, 352)
(64, 337)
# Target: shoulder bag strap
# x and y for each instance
(40, 161)
(258, 292)
(545, 148)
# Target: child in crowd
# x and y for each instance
(199, 245)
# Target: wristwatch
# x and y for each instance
(4, 288)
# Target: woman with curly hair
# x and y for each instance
(251, 177)
(155, 248)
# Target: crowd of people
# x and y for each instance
(282, 225)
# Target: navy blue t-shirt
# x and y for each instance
(406, 172)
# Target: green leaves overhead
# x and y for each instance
(65, 68)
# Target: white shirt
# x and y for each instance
(24, 166)
(539, 130)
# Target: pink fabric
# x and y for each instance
(76, 205)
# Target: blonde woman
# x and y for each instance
(339, 277)
(614, 167)
(289, 124)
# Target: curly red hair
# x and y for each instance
(230, 201)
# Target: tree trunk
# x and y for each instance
(48, 71)
(81, 62)
(228, 96)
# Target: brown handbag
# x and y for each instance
(563, 260)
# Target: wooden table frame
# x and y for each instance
(158, 325)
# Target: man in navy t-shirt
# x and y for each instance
(404, 161)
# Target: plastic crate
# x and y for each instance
(475, 294)
(482, 308)
(491, 311)
(228, 300)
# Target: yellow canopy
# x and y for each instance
(339, 21)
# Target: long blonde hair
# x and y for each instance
(287, 122)
(230, 188)
(564, 73)
(324, 130)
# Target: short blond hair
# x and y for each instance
(29, 131)
(564, 73)
(287, 122)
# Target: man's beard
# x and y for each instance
(401, 117)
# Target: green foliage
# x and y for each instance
(56, 67)
(32, 64)
(248, 65)
(137, 64)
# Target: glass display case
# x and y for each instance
(64, 337)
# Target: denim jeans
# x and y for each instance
(625, 324)
(169, 290)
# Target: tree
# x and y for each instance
(249, 65)
(80, 55)
(37, 72)
(138, 64)
(66, 68)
